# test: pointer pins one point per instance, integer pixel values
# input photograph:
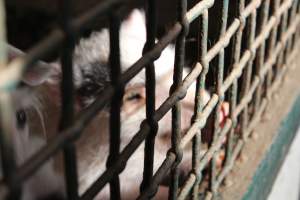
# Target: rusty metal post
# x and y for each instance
(176, 110)
(219, 76)
(260, 59)
(199, 99)
(237, 42)
(250, 27)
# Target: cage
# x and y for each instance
(244, 52)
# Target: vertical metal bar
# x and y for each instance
(292, 41)
(176, 110)
(233, 91)
(67, 91)
(280, 60)
(3, 49)
(261, 53)
(150, 95)
(115, 110)
(199, 100)
(289, 46)
(286, 25)
(7, 151)
(219, 76)
(298, 29)
(271, 47)
(251, 25)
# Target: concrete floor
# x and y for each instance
(287, 183)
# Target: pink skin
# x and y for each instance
(92, 147)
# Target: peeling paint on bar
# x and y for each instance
(204, 160)
(183, 193)
(200, 122)
(223, 42)
(198, 9)
(247, 98)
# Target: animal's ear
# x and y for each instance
(134, 24)
(42, 72)
(13, 52)
(38, 73)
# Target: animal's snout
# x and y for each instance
(21, 118)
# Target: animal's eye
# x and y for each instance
(88, 90)
(132, 96)
(21, 119)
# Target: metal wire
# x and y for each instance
(219, 81)
(150, 96)
(67, 115)
(176, 110)
(199, 101)
(115, 111)
(270, 47)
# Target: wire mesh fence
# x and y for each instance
(249, 59)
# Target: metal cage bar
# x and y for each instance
(271, 46)
(199, 103)
(67, 113)
(261, 53)
(176, 109)
(115, 111)
(219, 76)
(236, 58)
(150, 95)
(251, 26)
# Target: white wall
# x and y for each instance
(287, 183)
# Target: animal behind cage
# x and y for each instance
(242, 65)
